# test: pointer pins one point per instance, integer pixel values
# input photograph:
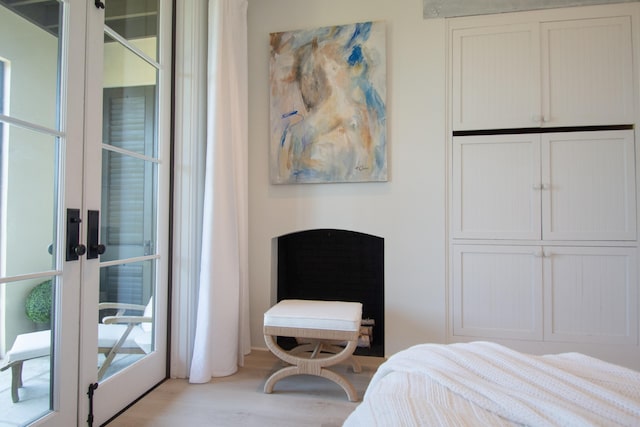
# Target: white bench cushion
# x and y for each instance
(28, 346)
(108, 335)
(314, 314)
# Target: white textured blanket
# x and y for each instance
(484, 383)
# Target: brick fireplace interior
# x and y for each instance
(336, 265)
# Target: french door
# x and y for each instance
(126, 181)
(84, 132)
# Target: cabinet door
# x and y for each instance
(587, 72)
(591, 295)
(496, 77)
(588, 186)
(496, 187)
(497, 291)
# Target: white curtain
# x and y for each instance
(222, 327)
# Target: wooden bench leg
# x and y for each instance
(16, 380)
(313, 365)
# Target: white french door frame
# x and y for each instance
(67, 298)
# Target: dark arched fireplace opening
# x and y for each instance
(336, 265)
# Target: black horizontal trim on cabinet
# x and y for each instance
(540, 130)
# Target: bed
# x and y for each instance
(483, 383)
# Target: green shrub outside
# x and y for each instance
(38, 305)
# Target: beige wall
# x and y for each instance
(408, 211)
(122, 68)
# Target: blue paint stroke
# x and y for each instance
(283, 138)
(374, 102)
(356, 56)
(361, 32)
(285, 132)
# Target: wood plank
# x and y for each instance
(239, 400)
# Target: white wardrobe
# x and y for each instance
(542, 185)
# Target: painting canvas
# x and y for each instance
(328, 110)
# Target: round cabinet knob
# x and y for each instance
(80, 250)
(100, 248)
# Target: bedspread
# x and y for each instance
(483, 383)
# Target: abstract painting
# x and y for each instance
(328, 110)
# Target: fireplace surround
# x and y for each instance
(335, 265)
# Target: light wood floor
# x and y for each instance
(238, 400)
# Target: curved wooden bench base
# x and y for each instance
(314, 358)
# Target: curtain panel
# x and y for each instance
(221, 326)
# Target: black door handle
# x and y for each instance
(74, 248)
(94, 249)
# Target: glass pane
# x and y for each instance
(129, 187)
(29, 48)
(136, 21)
(128, 206)
(29, 91)
(29, 337)
(125, 290)
(28, 194)
(129, 108)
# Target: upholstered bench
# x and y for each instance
(25, 347)
(321, 326)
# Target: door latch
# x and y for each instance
(90, 393)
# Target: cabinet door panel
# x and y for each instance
(496, 191)
(496, 77)
(497, 291)
(589, 191)
(591, 295)
(587, 72)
